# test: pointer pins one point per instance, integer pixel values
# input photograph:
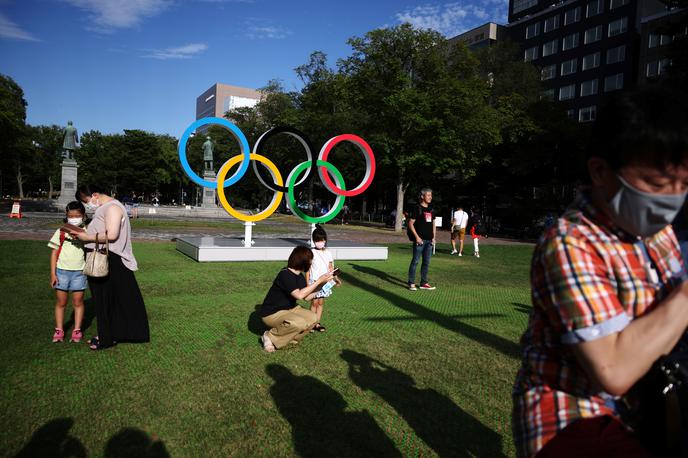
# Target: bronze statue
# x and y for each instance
(208, 153)
(71, 138)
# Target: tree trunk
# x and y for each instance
(50, 187)
(20, 182)
(401, 192)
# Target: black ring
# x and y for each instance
(301, 137)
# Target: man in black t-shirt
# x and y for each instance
(421, 227)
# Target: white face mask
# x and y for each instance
(320, 245)
(75, 221)
(91, 205)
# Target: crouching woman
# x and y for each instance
(287, 321)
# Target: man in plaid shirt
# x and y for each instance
(607, 285)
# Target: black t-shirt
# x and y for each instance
(279, 295)
(423, 221)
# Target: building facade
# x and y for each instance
(481, 36)
(584, 49)
(220, 98)
(658, 33)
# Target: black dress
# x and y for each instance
(120, 310)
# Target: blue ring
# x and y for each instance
(238, 135)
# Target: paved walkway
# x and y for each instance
(41, 226)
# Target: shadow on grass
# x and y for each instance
(53, 440)
(255, 323)
(523, 308)
(320, 425)
(457, 317)
(380, 274)
(89, 315)
(502, 345)
(443, 425)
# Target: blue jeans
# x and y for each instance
(426, 251)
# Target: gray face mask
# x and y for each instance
(642, 213)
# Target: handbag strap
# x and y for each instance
(59, 250)
(107, 243)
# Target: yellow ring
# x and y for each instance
(276, 199)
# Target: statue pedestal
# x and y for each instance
(67, 183)
(209, 194)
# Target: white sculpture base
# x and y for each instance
(68, 183)
(209, 194)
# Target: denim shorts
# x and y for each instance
(71, 280)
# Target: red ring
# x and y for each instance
(370, 171)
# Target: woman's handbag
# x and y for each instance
(97, 260)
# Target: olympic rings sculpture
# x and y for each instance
(326, 170)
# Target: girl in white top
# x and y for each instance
(321, 265)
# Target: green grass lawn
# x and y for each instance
(396, 373)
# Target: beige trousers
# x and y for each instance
(289, 325)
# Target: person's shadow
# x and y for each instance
(134, 443)
(320, 425)
(443, 425)
(53, 440)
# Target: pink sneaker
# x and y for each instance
(76, 336)
(58, 336)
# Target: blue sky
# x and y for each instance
(110, 65)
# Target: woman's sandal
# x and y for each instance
(94, 344)
(318, 327)
(268, 346)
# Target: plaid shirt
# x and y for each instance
(589, 280)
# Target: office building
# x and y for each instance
(482, 36)
(220, 98)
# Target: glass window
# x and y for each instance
(593, 35)
(520, 5)
(664, 64)
(653, 40)
(548, 94)
(550, 48)
(569, 42)
(533, 30)
(617, 3)
(591, 61)
(569, 66)
(551, 23)
(652, 69)
(613, 82)
(567, 92)
(594, 8)
(664, 40)
(571, 113)
(572, 16)
(617, 54)
(548, 72)
(618, 27)
(587, 114)
(531, 54)
(588, 88)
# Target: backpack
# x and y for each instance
(477, 221)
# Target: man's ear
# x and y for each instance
(599, 171)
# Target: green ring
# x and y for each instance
(339, 202)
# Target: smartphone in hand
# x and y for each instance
(336, 272)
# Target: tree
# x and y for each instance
(421, 103)
(13, 140)
(47, 142)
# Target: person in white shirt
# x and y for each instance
(459, 223)
(323, 264)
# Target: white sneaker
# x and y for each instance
(477, 255)
(454, 252)
(460, 254)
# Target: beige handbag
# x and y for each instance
(97, 260)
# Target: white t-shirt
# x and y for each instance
(321, 263)
(460, 219)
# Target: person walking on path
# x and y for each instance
(421, 231)
(120, 310)
(459, 222)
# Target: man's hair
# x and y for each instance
(300, 258)
(423, 192)
(86, 190)
(319, 234)
(647, 125)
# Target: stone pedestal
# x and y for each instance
(67, 183)
(209, 194)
